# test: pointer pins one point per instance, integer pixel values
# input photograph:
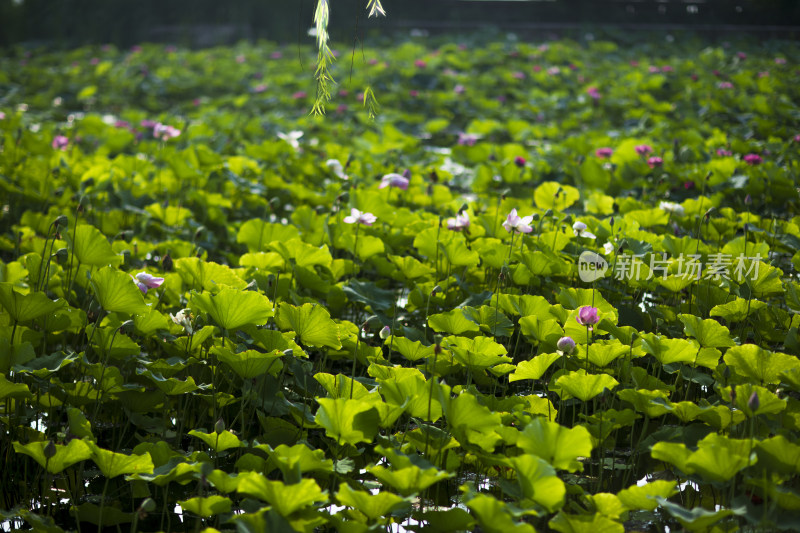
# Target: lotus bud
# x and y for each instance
(566, 345)
(548, 213)
(289, 352)
(435, 290)
(50, 450)
(219, 427)
(61, 256)
(754, 403)
(535, 217)
(61, 220)
(733, 395)
(167, 263)
(148, 505)
(385, 332)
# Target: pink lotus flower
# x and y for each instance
(741, 55)
(136, 49)
(780, 60)
(519, 161)
(516, 223)
(753, 159)
(122, 124)
(579, 229)
(652, 69)
(763, 74)
(593, 92)
(276, 55)
(413, 93)
(394, 180)
(725, 85)
(359, 217)
(459, 89)
(566, 345)
(170, 49)
(796, 137)
(467, 139)
(260, 88)
(667, 68)
(343, 92)
(537, 68)
(240, 58)
(459, 223)
(604, 153)
(643, 149)
(341, 108)
(587, 316)
(148, 124)
(165, 132)
(554, 71)
(419, 63)
(2, 116)
(146, 281)
(722, 152)
(655, 161)
(94, 61)
(518, 75)
(60, 142)
(299, 94)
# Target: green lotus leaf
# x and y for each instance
(668, 351)
(408, 480)
(368, 245)
(106, 516)
(293, 461)
(207, 275)
(697, 519)
(413, 392)
(13, 390)
(348, 421)
(490, 320)
(91, 247)
(285, 499)
(752, 362)
(559, 446)
(373, 506)
(78, 424)
(301, 253)
(480, 352)
(170, 386)
(232, 308)
(779, 455)
(555, 196)
(340, 386)
(495, 516)
(579, 384)
(643, 401)
(453, 322)
(410, 267)
(709, 333)
(538, 481)
(451, 520)
(737, 309)
(113, 464)
(643, 497)
(257, 234)
(471, 422)
(594, 523)
(603, 354)
(312, 323)
(206, 507)
(250, 364)
(411, 350)
(219, 442)
(769, 403)
(74, 452)
(25, 307)
(548, 331)
(116, 292)
(369, 294)
(534, 368)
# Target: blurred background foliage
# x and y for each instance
(200, 23)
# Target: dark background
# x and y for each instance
(209, 22)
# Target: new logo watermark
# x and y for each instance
(591, 266)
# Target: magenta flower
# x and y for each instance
(667, 68)
(60, 142)
(517, 75)
(165, 132)
(467, 139)
(299, 94)
(419, 63)
(593, 92)
(2, 116)
(587, 316)
(725, 85)
(604, 153)
(519, 161)
(566, 345)
(516, 223)
(460, 222)
(796, 137)
(722, 152)
(146, 281)
(260, 88)
(94, 61)
(413, 93)
(643, 149)
(741, 55)
(780, 61)
(655, 161)
(652, 69)
(459, 89)
(359, 217)
(276, 55)
(394, 180)
(753, 159)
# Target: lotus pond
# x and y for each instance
(548, 286)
